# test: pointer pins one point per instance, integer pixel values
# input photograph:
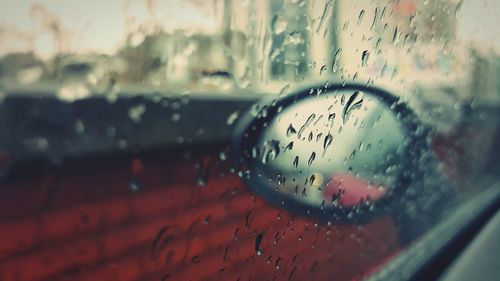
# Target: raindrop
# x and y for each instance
(327, 142)
(364, 57)
(311, 158)
(176, 117)
(284, 90)
(157, 239)
(203, 168)
(395, 35)
(231, 118)
(290, 131)
(360, 17)
(290, 276)
(207, 219)
(374, 19)
(296, 162)
(313, 266)
(318, 137)
(355, 101)
(310, 137)
(312, 178)
(295, 38)
(135, 185)
(79, 127)
(289, 146)
(258, 240)
(244, 80)
(322, 70)
(135, 113)
(237, 234)
(353, 154)
(223, 156)
(279, 24)
(309, 120)
(248, 220)
(336, 60)
(37, 143)
(278, 262)
(271, 150)
(326, 15)
(331, 118)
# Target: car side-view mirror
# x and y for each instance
(342, 152)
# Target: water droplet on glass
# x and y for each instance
(135, 112)
(289, 146)
(335, 61)
(290, 276)
(327, 142)
(325, 16)
(290, 131)
(295, 162)
(309, 120)
(311, 179)
(203, 169)
(134, 185)
(176, 117)
(232, 117)
(295, 38)
(311, 158)
(360, 17)
(223, 156)
(284, 90)
(237, 233)
(258, 240)
(364, 57)
(318, 137)
(278, 263)
(353, 154)
(73, 91)
(271, 150)
(279, 24)
(79, 127)
(244, 81)
(322, 70)
(355, 101)
(331, 119)
(207, 219)
(248, 220)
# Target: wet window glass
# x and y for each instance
(237, 139)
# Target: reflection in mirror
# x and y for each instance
(334, 150)
(338, 149)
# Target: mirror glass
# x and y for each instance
(334, 150)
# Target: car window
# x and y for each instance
(236, 139)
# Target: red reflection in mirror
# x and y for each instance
(351, 190)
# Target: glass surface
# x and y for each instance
(122, 125)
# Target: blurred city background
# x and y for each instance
(83, 48)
